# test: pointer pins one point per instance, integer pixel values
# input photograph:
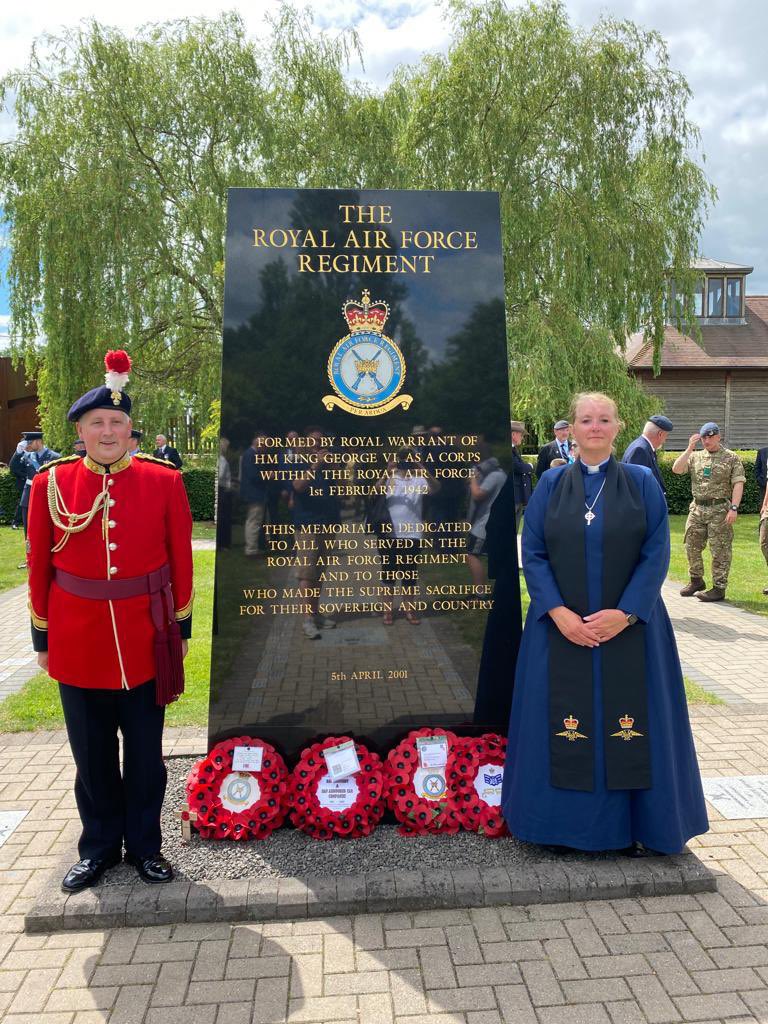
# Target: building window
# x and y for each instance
(715, 296)
(733, 297)
(698, 299)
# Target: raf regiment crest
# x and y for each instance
(366, 368)
(626, 732)
(571, 725)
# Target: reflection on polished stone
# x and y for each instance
(351, 583)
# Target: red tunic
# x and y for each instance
(147, 523)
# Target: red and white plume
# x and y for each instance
(118, 364)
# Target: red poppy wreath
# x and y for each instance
(417, 792)
(323, 806)
(476, 771)
(232, 804)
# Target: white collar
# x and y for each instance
(595, 469)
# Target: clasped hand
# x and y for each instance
(592, 630)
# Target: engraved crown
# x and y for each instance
(570, 722)
(626, 722)
(365, 315)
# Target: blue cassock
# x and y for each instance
(641, 453)
(664, 817)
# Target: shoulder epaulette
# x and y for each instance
(59, 462)
(158, 462)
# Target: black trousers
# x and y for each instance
(117, 810)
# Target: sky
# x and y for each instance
(719, 45)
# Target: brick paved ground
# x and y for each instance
(666, 959)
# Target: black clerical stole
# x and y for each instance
(625, 699)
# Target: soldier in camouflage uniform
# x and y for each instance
(717, 483)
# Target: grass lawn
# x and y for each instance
(749, 573)
(203, 531)
(12, 553)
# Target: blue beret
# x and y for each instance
(99, 398)
(137, 434)
(708, 429)
(32, 435)
(561, 424)
(662, 422)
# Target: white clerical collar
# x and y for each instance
(597, 468)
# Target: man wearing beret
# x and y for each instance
(522, 471)
(717, 484)
(110, 594)
(560, 448)
(642, 451)
(30, 456)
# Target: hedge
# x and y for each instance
(679, 487)
(200, 484)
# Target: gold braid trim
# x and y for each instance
(158, 462)
(37, 622)
(76, 521)
(186, 611)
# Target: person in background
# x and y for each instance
(761, 468)
(253, 492)
(522, 471)
(643, 451)
(78, 448)
(30, 456)
(717, 484)
(559, 448)
(484, 487)
(135, 441)
(166, 452)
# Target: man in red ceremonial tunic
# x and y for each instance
(110, 595)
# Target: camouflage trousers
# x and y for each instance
(764, 537)
(708, 524)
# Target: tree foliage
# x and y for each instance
(114, 187)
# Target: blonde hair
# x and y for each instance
(592, 396)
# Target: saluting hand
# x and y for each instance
(574, 628)
(693, 440)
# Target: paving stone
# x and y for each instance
(437, 968)
(564, 959)
(542, 983)
(654, 1001)
(171, 985)
(735, 979)
(515, 1004)
(271, 1002)
(475, 998)
(588, 1013)
(407, 993)
(131, 1004)
(375, 1009)
(463, 945)
(712, 1007)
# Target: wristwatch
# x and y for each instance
(734, 508)
(631, 620)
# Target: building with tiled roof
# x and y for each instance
(724, 375)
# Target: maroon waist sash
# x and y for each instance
(169, 661)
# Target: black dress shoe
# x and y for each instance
(87, 872)
(154, 868)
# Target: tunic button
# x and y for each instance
(112, 524)
(113, 569)
(113, 546)
(110, 482)
(111, 502)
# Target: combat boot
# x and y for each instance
(696, 584)
(715, 594)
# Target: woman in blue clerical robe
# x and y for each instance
(600, 753)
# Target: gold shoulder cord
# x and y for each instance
(76, 521)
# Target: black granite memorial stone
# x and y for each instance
(365, 438)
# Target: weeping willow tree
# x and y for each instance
(114, 187)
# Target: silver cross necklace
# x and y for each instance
(589, 515)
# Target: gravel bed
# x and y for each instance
(288, 852)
